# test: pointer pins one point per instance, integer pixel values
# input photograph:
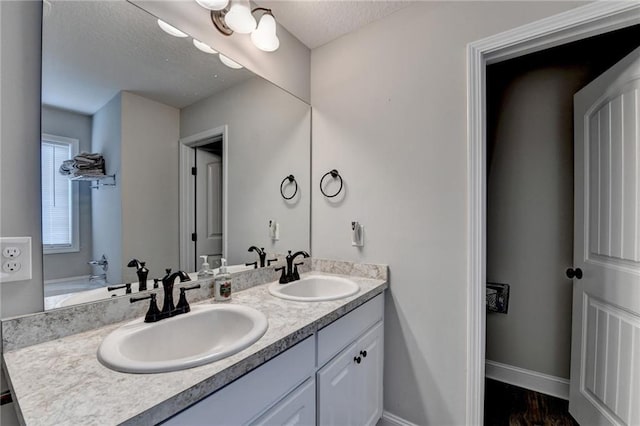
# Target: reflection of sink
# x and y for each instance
(206, 334)
(315, 288)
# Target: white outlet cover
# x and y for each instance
(16, 259)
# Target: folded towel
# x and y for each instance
(83, 164)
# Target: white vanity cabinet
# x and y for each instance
(326, 380)
(349, 386)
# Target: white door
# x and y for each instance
(605, 347)
(208, 205)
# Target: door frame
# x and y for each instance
(576, 24)
(187, 190)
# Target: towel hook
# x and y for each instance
(291, 179)
(334, 174)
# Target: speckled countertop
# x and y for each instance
(61, 382)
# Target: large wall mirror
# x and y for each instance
(154, 149)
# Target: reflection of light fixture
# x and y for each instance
(228, 62)
(203, 47)
(213, 4)
(238, 17)
(170, 29)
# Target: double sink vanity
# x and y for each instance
(305, 352)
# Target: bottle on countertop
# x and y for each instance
(222, 283)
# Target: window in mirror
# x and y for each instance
(60, 232)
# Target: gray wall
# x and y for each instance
(389, 112)
(78, 126)
(20, 197)
(106, 202)
(288, 67)
(149, 185)
(269, 139)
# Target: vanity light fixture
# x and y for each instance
(204, 47)
(230, 63)
(171, 30)
(237, 16)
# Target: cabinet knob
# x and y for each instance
(357, 359)
(363, 353)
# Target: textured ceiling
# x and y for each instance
(316, 22)
(94, 49)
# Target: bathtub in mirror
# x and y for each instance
(194, 152)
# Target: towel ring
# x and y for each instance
(334, 174)
(291, 179)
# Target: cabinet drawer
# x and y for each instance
(296, 409)
(247, 397)
(340, 333)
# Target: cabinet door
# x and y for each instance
(296, 409)
(369, 375)
(336, 390)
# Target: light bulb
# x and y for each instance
(203, 47)
(228, 62)
(213, 4)
(239, 17)
(265, 38)
(169, 29)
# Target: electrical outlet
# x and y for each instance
(11, 252)
(11, 266)
(16, 259)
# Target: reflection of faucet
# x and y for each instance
(292, 271)
(141, 271)
(261, 254)
(168, 307)
(102, 262)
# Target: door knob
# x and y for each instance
(577, 273)
(363, 353)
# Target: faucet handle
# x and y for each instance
(283, 277)
(269, 261)
(153, 314)
(255, 264)
(296, 275)
(116, 287)
(183, 306)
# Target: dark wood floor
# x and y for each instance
(513, 406)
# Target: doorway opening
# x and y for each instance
(530, 221)
(203, 198)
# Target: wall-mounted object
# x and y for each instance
(334, 174)
(229, 16)
(16, 259)
(292, 180)
(357, 234)
(99, 180)
(497, 297)
(274, 230)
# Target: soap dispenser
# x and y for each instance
(205, 271)
(222, 283)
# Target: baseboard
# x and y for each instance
(528, 379)
(389, 419)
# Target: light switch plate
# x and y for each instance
(15, 259)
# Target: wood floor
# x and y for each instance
(513, 406)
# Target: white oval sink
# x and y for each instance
(315, 288)
(206, 334)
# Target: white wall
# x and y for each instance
(77, 126)
(268, 139)
(106, 202)
(288, 67)
(149, 185)
(389, 112)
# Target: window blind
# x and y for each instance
(57, 212)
